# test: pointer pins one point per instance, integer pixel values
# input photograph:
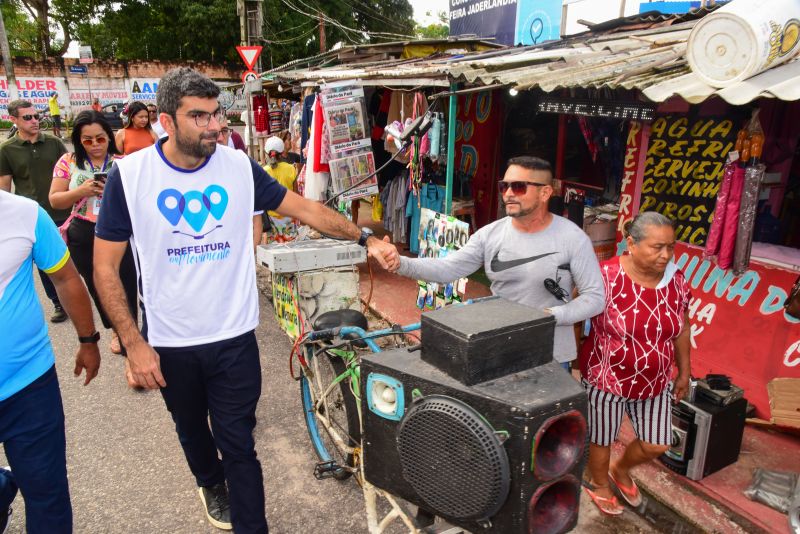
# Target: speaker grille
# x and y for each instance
(451, 457)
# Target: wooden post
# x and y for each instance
(321, 32)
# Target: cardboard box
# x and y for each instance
(784, 401)
(600, 230)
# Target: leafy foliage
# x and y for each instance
(436, 30)
(21, 30)
(201, 29)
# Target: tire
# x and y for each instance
(343, 411)
(46, 123)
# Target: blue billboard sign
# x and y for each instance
(537, 21)
(484, 18)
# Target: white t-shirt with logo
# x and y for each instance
(192, 237)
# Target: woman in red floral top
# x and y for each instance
(627, 360)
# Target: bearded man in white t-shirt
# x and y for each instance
(186, 204)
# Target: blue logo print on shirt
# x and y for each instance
(193, 206)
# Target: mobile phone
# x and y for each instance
(101, 176)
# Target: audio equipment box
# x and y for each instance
(488, 339)
(706, 436)
(465, 431)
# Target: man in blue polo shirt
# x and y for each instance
(186, 205)
(31, 413)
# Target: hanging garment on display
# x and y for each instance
(731, 223)
(305, 120)
(295, 128)
(316, 181)
(381, 115)
(275, 120)
(715, 232)
(434, 136)
(321, 144)
(747, 217)
(431, 197)
(393, 198)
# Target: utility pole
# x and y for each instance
(8, 62)
(242, 12)
(321, 32)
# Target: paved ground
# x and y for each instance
(128, 475)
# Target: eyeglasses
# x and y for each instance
(203, 118)
(99, 140)
(225, 131)
(517, 188)
(29, 117)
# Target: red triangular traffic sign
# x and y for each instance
(249, 55)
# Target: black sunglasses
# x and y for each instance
(518, 188)
(29, 117)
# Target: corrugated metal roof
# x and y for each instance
(652, 61)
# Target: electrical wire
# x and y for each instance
(292, 39)
(333, 22)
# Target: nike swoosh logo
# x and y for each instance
(498, 265)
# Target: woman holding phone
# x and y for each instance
(78, 182)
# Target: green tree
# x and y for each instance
(56, 20)
(291, 27)
(436, 30)
(165, 29)
(21, 30)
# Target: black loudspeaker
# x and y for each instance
(502, 338)
(504, 455)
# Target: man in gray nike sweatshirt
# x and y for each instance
(520, 251)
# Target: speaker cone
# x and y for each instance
(385, 396)
(559, 445)
(554, 507)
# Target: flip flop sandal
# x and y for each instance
(602, 502)
(631, 494)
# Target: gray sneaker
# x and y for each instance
(217, 506)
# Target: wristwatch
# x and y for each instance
(366, 233)
(94, 338)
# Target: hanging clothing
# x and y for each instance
(731, 224)
(275, 121)
(322, 150)
(747, 217)
(295, 128)
(261, 117)
(718, 223)
(393, 198)
(305, 120)
(431, 196)
(316, 182)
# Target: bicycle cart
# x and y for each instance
(491, 444)
(331, 398)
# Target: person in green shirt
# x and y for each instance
(27, 160)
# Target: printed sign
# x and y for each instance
(639, 111)
(683, 170)
(628, 199)
(767, 340)
(349, 171)
(143, 89)
(538, 21)
(36, 90)
(484, 18)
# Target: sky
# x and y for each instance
(423, 6)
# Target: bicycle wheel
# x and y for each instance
(46, 123)
(331, 412)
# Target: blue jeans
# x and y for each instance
(32, 432)
(222, 382)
